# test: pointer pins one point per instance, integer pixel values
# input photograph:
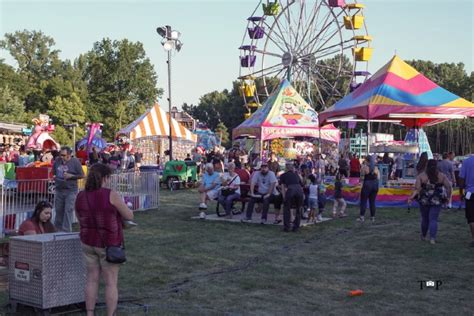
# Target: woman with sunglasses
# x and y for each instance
(40, 222)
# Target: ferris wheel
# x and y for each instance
(322, 47)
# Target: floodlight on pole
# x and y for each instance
(170, 41)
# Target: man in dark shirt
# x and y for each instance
(67, 170)
(292, 190)
(273, 164)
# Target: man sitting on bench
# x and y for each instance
(266, 181)
(209, 188)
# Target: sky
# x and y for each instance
(212, 31)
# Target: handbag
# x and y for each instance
(113, 254)
(229, 191)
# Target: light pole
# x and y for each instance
(170, 41)
(73, 126)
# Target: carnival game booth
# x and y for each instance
(150, 133)
(397, 93)
(284, 115)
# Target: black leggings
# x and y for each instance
(369, 191)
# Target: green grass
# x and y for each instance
(180, 266)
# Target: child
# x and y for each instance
(339, 202)
(321, 198)
(313, 196)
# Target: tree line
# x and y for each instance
(113, 83)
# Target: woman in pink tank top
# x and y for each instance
(101, 213)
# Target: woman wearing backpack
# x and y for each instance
(432, 189)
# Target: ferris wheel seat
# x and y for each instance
(361, 38)
(354, 22)
(248, 89)
(256, 32)
(248, 60)
(248, 47)
(253, 105)
(256, 18)
(362, 73)
(362, 53)
(337, 3)
(355, 6)
(272, 8)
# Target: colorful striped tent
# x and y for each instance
(398, 92)
(155, 122)
(285, 114)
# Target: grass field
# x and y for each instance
(180, 266)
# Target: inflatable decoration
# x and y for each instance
(93, 138)
(40, 138)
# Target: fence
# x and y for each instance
(18, 198)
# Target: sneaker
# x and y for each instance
(432, 241)
(319, 218)
(246, 220)
(305, 215)
(202, 215)
(361, 219)
(277, 221)
(372, 219)
(203, 205)
(263, 221)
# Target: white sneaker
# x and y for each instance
(203, 205)
(361, 219)
(319, 218)
(202, 215)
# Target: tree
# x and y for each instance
(33, 52)
(11, 108)
(66, 110)
(223, 134)
(121, 81)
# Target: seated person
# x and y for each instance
(230, 189)
(40, 222)
(243, 174)
(209, 188)
(266, 181)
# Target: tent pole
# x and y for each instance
(368, 137)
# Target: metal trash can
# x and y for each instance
(46, 270)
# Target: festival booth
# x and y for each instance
(399, 94)
(150, 135)
(285, 115)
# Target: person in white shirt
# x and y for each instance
(230, 190)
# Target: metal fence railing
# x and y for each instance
(18, 198)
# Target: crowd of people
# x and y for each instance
(301, 186)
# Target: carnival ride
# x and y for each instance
(40, 138)
(93, 138)
(322, 47)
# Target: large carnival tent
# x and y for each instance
(398, 93)
(285, 114)
(150, 132)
